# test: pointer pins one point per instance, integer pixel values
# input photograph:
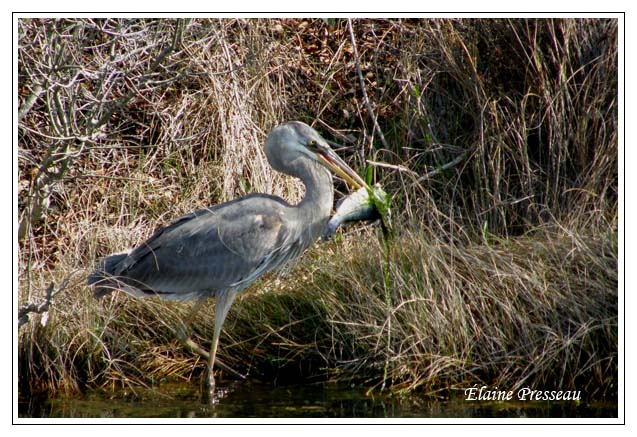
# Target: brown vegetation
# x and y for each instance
(497, 139)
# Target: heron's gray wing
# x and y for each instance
(209, 250)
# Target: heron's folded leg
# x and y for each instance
(182, 331)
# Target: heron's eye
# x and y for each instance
(311, 144)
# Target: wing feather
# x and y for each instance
(210, 250)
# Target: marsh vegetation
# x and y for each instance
(497, 140)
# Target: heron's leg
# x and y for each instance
(182, 331)
(189, 343)
(223, 302)
(194, 310)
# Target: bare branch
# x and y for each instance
(79, 95)
(444, 167)
(363, 88)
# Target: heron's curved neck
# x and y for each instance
(319, 189)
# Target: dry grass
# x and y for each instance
(505, 267)
(538, 310)
(533, 311)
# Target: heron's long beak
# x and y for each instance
(332, 161)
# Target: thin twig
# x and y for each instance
(363, 88)
(28, 104)
(444, 167)
(25, 310)
(43, 307)
(428, 175)
(399, 168)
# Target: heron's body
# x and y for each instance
(219, 251)
(209, 251)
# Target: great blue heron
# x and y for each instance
(219, 251)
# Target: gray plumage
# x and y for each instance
(208, 251)
(221, 250)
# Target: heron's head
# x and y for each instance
(292, 140)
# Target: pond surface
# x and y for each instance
(324, 400)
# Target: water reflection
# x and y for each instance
(324, 400)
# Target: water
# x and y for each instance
(324, 400)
